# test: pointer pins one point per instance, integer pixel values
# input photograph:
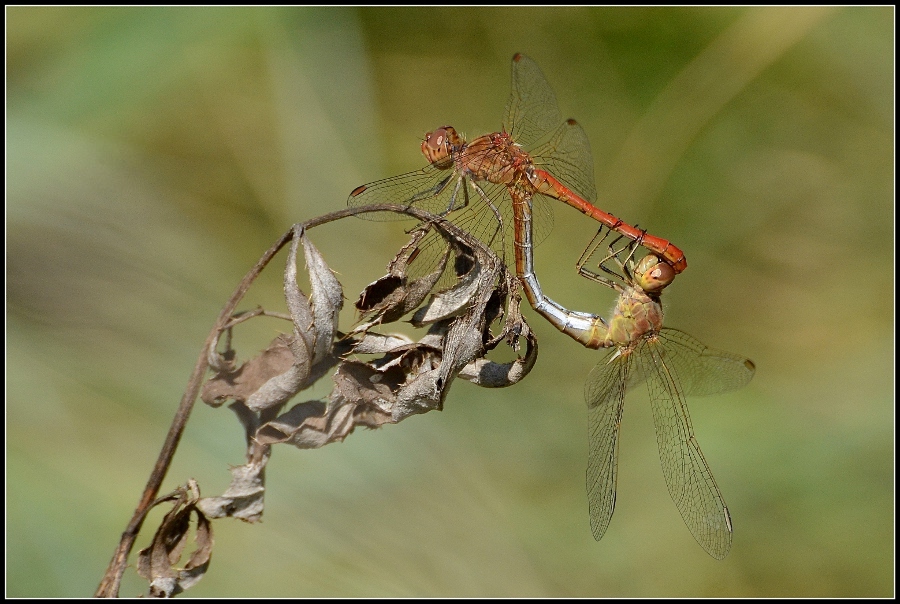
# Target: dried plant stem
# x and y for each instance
(109, 585)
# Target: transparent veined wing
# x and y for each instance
(531, 111)
(605, 396)
(687, 475)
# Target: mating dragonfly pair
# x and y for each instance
(499, 188)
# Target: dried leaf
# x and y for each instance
(376, 343)
(375, 294)
(393, 296)
(240, 384)
(362, 396)
(488, 374)
(298, 306)
(157, 563)
(314, 327)
(244, 497)
(449, 302)
(407, 377)
(326, 296)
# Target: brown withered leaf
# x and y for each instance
(244, 497)
(391, 297)
(315, 325)
(157, 562)
(326, 296)
(447, 303)
(376, 343)
(361, 396)
(489, 374)
(250, 376)
(409, 376)
(379, 378)
(413, 376)
(380, 293)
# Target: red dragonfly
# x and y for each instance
(535, 156)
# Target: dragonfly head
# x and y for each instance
(438, 146)
(652, 274)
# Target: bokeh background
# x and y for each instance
(154, 153)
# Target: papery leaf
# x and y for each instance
(326, 296)
(315, 320)
(365, 394)
(424, 393)
(240, 384)
(464, 340)
(284, 387)
(391, 297)
(309, 425)
(488, 374)
(280, 389)
(375, 294)
(290, 424)
(449, 302)
(244, 497)
(314, 327)
(298, 305)
(314, 424)
(376, 343)
(157, 562)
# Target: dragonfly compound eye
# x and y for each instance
(437, 145)
(652, 274)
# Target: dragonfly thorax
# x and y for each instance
(637, 315)
(495, 158)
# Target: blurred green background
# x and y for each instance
(154, 153)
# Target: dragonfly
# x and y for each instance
(535, 155)
(672, 363)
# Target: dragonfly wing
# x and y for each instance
(480, 219)
(688, 477)
(703, 370)
(567, 156)
(531, 111)
(431, 189)
(542, 217)
(605, 395)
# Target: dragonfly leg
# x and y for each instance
(434, 191)
(613, 254)
(437, 190)
(451, 206)
(592, 247)
(627, 264)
